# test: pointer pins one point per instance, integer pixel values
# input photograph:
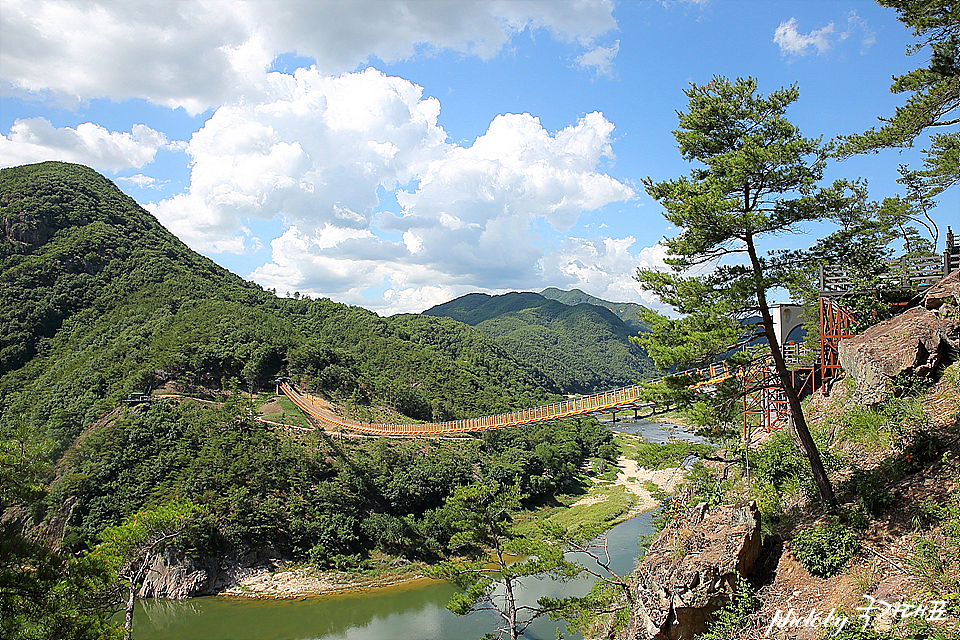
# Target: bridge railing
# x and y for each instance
(607, 401)
(910, 274)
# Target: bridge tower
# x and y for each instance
(786, 319)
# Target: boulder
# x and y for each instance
(917, 342)
(175, 575)
(691, 569)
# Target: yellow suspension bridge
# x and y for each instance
(622, 399)
(762, 396)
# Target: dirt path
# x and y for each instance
(633, 477)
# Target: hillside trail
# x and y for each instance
(633, 478)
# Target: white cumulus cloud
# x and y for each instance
(205, 53)
(37, 140)
(792, 42)
(315, 150)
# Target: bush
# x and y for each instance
(731, 620)
(779, 460)
(823, 549)
(872, 496)
(770, 503)
(654, 456)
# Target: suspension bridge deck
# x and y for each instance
(623, 399)
(762, 388)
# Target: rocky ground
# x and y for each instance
(885, 569)
(896, 471)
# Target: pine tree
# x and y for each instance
(758, 178)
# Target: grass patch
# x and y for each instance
(375, 414)
(291, 414)
(616, 503)
(865, 429)
(602, 470)
(671, 454)
(609, 504)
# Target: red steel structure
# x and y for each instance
(764, 404)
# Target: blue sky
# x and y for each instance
(396, 155)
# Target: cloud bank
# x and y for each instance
(204, 53)
(318, 149)
(372, 203)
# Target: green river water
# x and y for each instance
(410, 611)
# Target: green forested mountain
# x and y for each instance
(99, 300)
(628, 312)
(583, 347)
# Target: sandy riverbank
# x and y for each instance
(306, 581)
(634, 478)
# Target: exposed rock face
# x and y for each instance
(917, 342)
(28, 230)
(691, 570)
(174, 575)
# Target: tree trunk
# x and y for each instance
(509, 598)
(820, 477)
(511, 608)
(128, 618)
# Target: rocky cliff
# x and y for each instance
(691, 569)
(175, 575)
(918, 342)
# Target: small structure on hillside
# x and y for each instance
(137, 398)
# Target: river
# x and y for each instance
(410, 611)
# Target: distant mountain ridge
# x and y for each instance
(584, 347)
(626, 311)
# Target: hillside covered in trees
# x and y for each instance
(628, 312)
(584, 346)
(99, 301)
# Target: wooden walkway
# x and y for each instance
(908, 275)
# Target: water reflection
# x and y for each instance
(405, 612)
(411, 611)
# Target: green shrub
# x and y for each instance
(872, 496)
(731, 620)
(779, 460)
(672, 454)
(770, 503)
(823, 549)
(855, 517)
